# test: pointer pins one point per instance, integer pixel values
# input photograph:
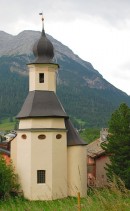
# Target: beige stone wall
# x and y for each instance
(42, 123)
(13, 152)
(41, 159)
(49, 154)
(51, 157)
(59, 168)
(21, 157)
(77, 170)
(49, 71)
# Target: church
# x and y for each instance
(48, 154)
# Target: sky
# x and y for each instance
(98, 31)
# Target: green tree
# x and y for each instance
(11, 119)
(118, 146)
(8, 179)
(90, 134)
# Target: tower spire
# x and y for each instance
(42, 19)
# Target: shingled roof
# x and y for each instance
(73, 138)
(94, 149)
(42, 104)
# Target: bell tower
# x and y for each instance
(48, 154)
(42, 72)
(40, 151)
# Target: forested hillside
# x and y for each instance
(86, 96)
(87, 106)
(13, 89)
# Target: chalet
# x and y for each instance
(96, 161)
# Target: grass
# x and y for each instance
(20, 204)
(111, 199)
(7, 125)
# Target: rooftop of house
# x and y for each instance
(94, 149)
(5, 148)
(4, 151)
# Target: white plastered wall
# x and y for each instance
(49, 71)
(77, 170)
(13, 152)
(49, 154)
(42, 123)
(21, 157)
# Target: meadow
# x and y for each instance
(7, 125)
(107, 199)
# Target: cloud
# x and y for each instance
(124, 71)
(97, 30)
(112, 11)
(125, 66)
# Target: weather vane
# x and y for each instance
(41, 14)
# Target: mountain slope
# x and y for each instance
(86, 96)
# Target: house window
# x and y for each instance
(41, 174)
(41, 77)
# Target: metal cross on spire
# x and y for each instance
(41, 14)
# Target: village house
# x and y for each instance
(5, 142)
(96, 161)
(5, 150)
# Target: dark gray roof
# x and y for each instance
(46, 104)
(73, 138)
(4, 151)
(41, 104)
(43, 49)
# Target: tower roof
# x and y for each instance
(73, 138)
(41, 104)
(43, 49)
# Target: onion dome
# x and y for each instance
(43, 49)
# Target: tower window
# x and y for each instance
(41, 174)
(24, 136)
(42, 136)
(58, 136)
(41, 77)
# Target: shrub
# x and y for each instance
(8, 179)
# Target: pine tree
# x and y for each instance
(118, 146)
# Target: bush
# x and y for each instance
(8, 179)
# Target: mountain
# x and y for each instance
(86, 96)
